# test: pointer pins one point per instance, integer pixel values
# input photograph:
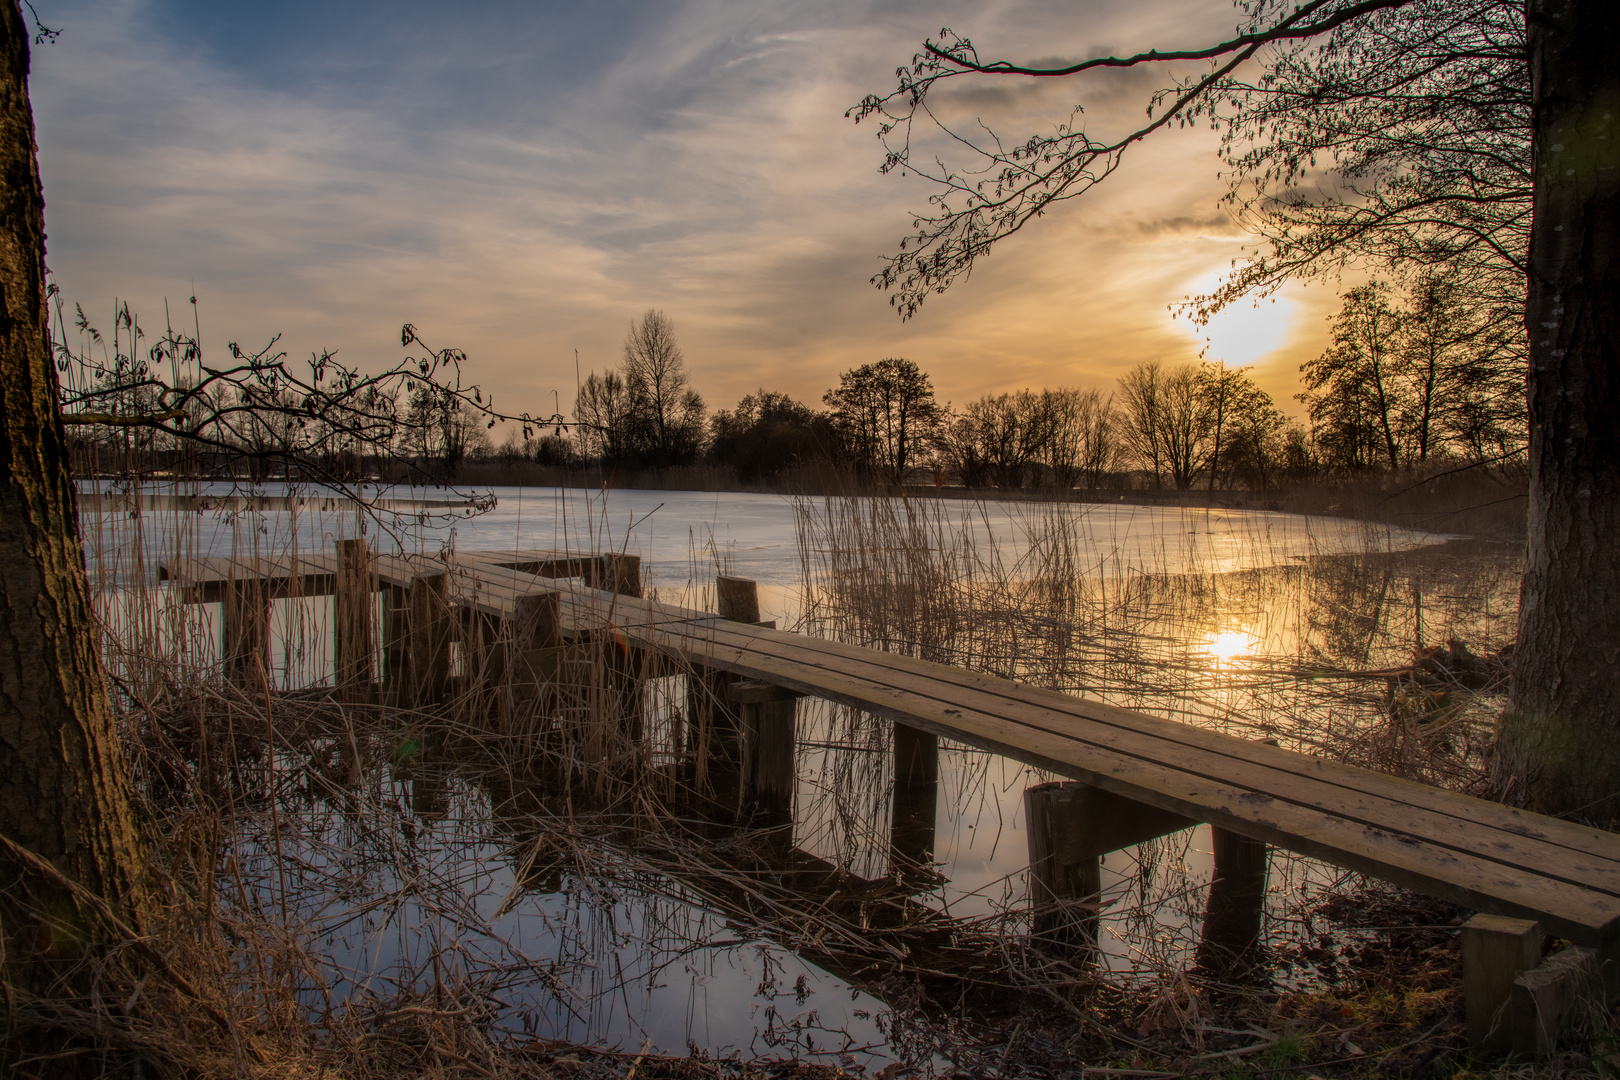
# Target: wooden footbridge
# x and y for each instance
(1132, 776)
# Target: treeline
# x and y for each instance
(1407, 380)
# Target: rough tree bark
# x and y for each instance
(64, 793)
(1559, 746)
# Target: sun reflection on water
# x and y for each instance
(1228, 645)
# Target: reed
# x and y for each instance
(352, 883)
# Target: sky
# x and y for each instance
(521, 180)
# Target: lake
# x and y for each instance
(423, 873)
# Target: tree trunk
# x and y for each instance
(64, 794)
(1559, 748)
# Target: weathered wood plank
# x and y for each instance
(1583, 856)
(1479, 882)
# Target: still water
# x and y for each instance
(418, 875)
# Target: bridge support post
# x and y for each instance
(354, 589)
(1065, 877)
(616, 573)
(711, 718)
(1495, 949)
(916, 798)
(1071, 826)
(767, 714)
(1236, 906)
(430, 630)
(245, 640)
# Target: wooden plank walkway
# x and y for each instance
(1482, 855)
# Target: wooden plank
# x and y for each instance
(1578, 838)
(1323, 784)
(1582, 914)
(207, 580)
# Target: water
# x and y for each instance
(1217, 618)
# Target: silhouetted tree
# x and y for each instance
(767, 433)
(885, 415)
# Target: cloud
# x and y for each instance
(519, 180)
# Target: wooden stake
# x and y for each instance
(245, 648)
(430, 631)
(352, 638)
(1495, 949)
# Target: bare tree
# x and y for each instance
(1560, 739)
(1084, 443)
(1140, 391)
(1352, 389)
(885, 416)
(669, 412)
(999, 438)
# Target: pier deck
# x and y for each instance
(1482, 855)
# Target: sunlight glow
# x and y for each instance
(1242, 333)
(1230, 644)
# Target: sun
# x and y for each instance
(1243, 332)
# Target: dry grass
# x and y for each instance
(280, 816)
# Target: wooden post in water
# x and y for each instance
(712, 720)
(767, 717)
(915, 801)
(396, 640)
(535, 649)
(245, 646)
(430, 630)
(616, 573)
(1236, 906)
(1495, 949)
(1235, 910)
(1065, 880)
(621, 681)
(351, 625)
